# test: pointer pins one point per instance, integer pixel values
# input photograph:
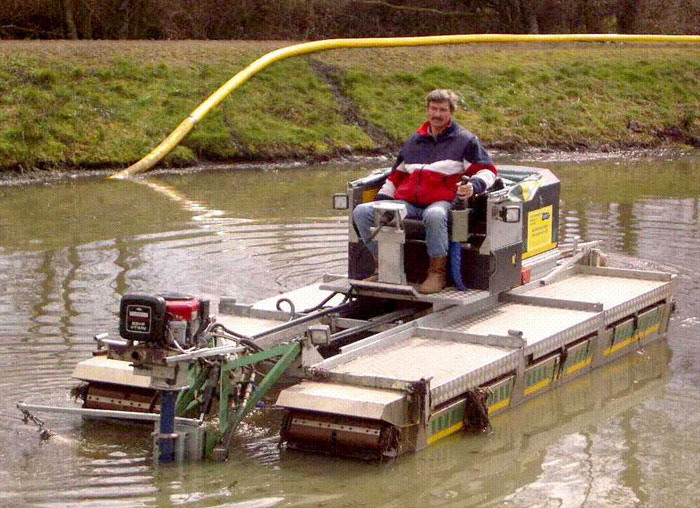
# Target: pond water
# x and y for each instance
(626, 436)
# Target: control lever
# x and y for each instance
(460, 219)
(460, 203)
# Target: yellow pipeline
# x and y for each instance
(264, 61)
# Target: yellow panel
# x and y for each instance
(578, 366)
(445, 432)
(539, 386)
(539, 231)
(499, 405)
(369, 195)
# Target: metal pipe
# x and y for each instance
(554, 274)
(105, 413)
(204, 353)
(177, 135)
(301, 320)
(167, 436)
(113, 342)
(373, 324)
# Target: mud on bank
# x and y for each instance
(13, 178)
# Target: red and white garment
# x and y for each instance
(429, 168)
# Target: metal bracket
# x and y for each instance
(556, 303)
(230, 417)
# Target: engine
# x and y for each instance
(167, 320)
(152, 328)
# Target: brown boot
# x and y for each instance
(437, 276)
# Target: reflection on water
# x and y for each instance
(625, 437)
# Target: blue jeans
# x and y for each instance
(435, 217)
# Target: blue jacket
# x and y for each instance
(428, 169)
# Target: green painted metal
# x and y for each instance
(499, 391)
(447, 419)
(578, 354)
(540, 372)
(288, 353)
(623, 331)
(202, 377)
(537, 374)
(261, 356)
(226, 388)
(648, 319)
(187, 399)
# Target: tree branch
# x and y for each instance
(30, 30)
(427, 10)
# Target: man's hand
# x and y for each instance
(465, 190)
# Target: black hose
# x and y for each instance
(376, 232)
(244, 340)
(386, 218)
(250, 344)
(303, 319)
(325, 301)
(292, 309)
(217, 326)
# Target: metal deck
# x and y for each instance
(447, 297)
(105, 370)
(467, 345)
(533, 323)
(420, 357)
(617, 291)
(348, 400)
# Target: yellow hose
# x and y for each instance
(174, 138)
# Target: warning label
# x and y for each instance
(539, 231)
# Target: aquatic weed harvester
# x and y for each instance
(376, 369)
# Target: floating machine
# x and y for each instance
(377, 368)
(531, 316)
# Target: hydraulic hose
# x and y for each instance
(244, 340)
(174, 138)
(456, 265)
(292, 308)
(325, 301)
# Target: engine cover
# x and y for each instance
(142, 318)
(163, 319)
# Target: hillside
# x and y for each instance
(95, 104)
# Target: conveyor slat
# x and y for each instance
(418, 357)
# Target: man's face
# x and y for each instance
(439, 116)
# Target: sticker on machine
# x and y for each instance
(539, 231)
(138, 318)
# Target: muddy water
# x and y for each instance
(625, 437)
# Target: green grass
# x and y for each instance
(566, 98)
(107, 104)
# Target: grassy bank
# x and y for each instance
(104, 104)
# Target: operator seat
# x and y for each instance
(415, 253)
(360, 261)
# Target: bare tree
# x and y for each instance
(314, 19)
(69, 18)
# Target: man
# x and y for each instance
(426, 177)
